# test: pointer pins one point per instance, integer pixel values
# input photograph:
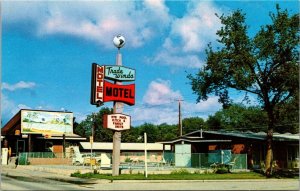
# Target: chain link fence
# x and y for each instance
(155, 159)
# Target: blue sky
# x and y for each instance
(48, 48)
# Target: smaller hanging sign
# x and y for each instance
(118, 122)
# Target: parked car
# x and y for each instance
(85, 159)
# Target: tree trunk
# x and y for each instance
(269, 154)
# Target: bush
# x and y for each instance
(180, 171)
(75, 174)
(128, 160)
(197, 172)
(220, 168)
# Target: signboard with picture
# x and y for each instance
(46, 122)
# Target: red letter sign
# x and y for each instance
(122, 93)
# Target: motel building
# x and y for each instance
(46, 137)
(38, 131)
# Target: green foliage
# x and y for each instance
(265, 66)
(193, 124)
(287, 116)
(220, 168)
(181, 171)
(131, 135)
(140, 176)
(238, 117)
(128, 160)
(84, 128)
(167, 132)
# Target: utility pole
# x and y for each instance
(179, 117)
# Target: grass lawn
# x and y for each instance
(247, 175)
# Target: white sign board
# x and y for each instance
(118, 122)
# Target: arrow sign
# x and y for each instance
(119, 73)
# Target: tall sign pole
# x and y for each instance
(118, 108)
(104, 91)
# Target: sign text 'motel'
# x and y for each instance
(104, 91)
(122, 93)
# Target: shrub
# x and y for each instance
(220, 168)
(180, 171)
(76, 174)
(128, 160)
(197, 172)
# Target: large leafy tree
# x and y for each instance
(151, 130)
(238, 117)
(266, 65)
(84, 128)
(193, 124)
(167, 132)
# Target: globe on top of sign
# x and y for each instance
(119, 73)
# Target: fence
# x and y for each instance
(166, 159)
(25, 157)
(206, 160)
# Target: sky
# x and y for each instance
(48, 48)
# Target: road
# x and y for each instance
(20, 179)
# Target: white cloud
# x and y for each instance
(160, 92)
(198, 27)
(170, 59)
(210, 105)
(189, 36)
(160, 105)
(155, 115)
(17, 86)
(97, 21)
(9, 108)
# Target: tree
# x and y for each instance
(84, 128)
(193, 124)
(214, 122)
(287, 116)
(151, 130)
(238, 117)
(131, 136)
(102, 134)
(167, 132)
(266, 65)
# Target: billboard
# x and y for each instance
(46, 122)
(117, 121)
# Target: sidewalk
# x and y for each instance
(61, 174)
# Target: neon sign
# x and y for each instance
(104, 91)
